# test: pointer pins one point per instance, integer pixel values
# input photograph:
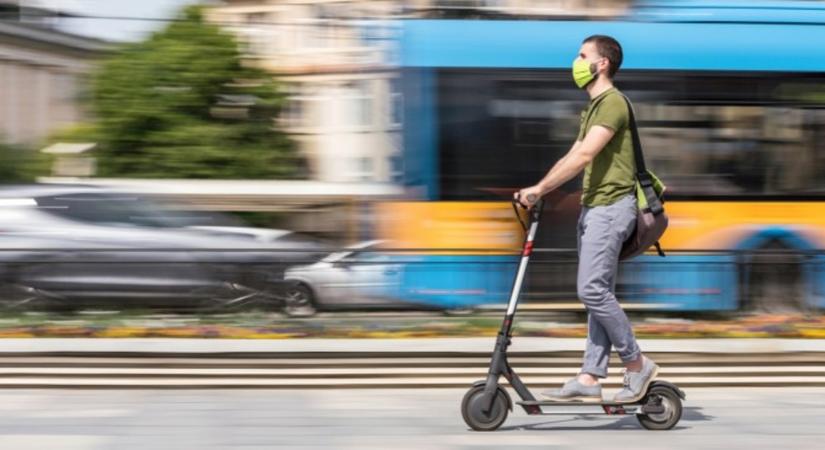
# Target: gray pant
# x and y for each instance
(601, 232)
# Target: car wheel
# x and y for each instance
(18, 297)
(299, 301)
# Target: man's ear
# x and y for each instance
(606, 63)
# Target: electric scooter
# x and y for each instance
(486, 404)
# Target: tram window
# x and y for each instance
(706, 135)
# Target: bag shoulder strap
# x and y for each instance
(645, 180)
(638, 155)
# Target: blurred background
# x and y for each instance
(300, 157)
(274, 171)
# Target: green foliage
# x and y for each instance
(22, 165)
(182, 105)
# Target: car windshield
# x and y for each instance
(367, 247)
(115, 209)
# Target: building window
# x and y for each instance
(396, 103)
(396, 168)
(362, 169)
(303, 109)
(257, 18)
(356, 106)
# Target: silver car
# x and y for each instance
(75, 246)
(360, 277)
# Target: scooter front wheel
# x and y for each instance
(670, 405)
(472, 409)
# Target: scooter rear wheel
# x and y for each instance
(476, 418)
(672, 409)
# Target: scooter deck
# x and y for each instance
(575, 403)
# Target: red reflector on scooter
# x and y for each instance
(528, 249)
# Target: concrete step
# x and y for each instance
(382, 372)
(405, 382)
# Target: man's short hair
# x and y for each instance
(608, 48)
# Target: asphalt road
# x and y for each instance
(746, 418)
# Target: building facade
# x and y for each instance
(334, 59)
(41, 75)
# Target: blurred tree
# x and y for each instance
(22, 165)
(182, 105)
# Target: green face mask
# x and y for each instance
(582, 73)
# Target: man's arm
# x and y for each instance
(579, 156)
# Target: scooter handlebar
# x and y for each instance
(538, 206)
(530, 198)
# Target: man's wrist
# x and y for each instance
(543, 188)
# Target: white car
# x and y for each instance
(358, 278)
(258, 234)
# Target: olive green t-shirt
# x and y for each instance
(612, 173)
